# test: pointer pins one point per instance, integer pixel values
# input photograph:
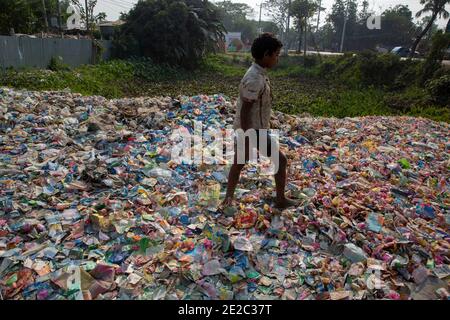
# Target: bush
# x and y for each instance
(146, 69)
(223, 65)
(310, 61)
(326, 68)
(433, 61)
(289, 61)
(178, 33)
(368, 69)
(439, 89)
(98, 50)
(378, 70)
(343, 70)
(57, 64)
(408, 75)
(407, 100)
(248, 60)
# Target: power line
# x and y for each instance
(119, 4)
(125, 2)
(110, 2)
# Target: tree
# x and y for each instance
(365, 12)
(426, 42)
(437, 9)
(398, 27)
(277, 10)
(269, 26)
(234, 17)
(94, 19)
(324, 37)
(16, 15)
(247, 28)
(170, 31)
(302, 11)
(433, 61)
(234, 11)
(343, 12)
(25, 16)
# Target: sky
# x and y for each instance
(113, 7)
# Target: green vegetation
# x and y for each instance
(338, 86)
(107, 79)
(192, 28)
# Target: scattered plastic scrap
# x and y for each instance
(93, 207)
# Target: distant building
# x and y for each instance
(107, 28)
(233, 42)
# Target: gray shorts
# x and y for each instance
(265, 144)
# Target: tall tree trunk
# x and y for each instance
(44, 11)
(422, 34)
(305, 45)
(300, 36)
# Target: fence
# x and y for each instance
(20, 52)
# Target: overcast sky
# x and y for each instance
(114, 7)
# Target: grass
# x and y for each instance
(107, 79)
(297, 89)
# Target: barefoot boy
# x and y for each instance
(253, 112)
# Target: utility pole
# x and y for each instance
(344, 28)
(318, 16)
(45, 15)
(306, 34)
(59, 15)
(87, 15)
(286, 47)
(259, 23)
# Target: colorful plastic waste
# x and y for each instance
(93, 207)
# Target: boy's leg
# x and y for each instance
(280, 176)
(234, 174)
(233, 179)
(280, 183)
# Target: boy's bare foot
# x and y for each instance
(227, 207)
(227, 202)
(285, 203)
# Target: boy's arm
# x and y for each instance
(251, 90)
(245, 113)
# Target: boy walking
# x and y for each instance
(253, 113)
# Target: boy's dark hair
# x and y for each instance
(266, 42)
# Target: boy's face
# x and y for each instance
(271, 60)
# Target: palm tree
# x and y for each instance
(437, 9)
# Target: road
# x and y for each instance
(445, 63)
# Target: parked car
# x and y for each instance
(404, 52)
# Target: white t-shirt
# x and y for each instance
(255, 86)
